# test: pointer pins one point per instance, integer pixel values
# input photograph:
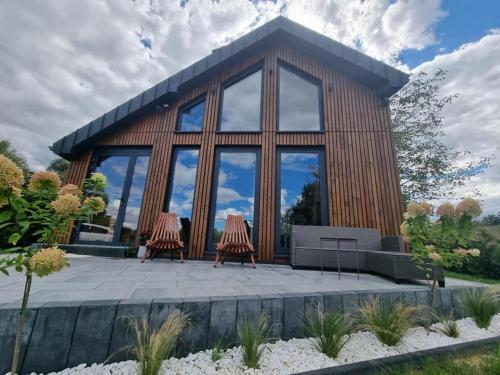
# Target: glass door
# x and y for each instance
(302, 192)
(234, 192)
(126, 172)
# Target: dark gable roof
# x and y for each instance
(385, 79)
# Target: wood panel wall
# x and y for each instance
(362, 176)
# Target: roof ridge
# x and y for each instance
(385, 79)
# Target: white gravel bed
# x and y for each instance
(295, 355)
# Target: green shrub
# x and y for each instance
(252, 337)
(488, 263)
(329, 331)
(152, 347)
(389, 322)
(481, 306)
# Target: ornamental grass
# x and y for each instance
(449, 326)
(330, 331)
(388, 321)
(253, 337)
(481, 306)
(154, 346)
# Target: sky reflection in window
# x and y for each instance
(241, 104)
(183, 182)
(298, 103)
(235, 189)
(191, 118)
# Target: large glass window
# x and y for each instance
(126, 173)
(302, 192)
(191, 117)
(236, 186)
(182, 186)
(133, 205)
(241, 104)
(299, 99)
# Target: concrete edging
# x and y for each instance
(376, 365)
(64, 334)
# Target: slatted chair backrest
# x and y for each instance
(166, 228)
(235, 231)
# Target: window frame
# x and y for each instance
(170, 185)
(233, 80)
(190, 104)
(308, 77)
(133, 153)
(171, 170)
(323, 186)
(213, 195)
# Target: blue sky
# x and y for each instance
(57, 74)
(466, 21)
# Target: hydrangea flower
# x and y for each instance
(95, 204)
(416, 209)
(460, 252)
(447, 210)
(469, 207)
(11, 178)
(66, 205)
(474, 252)
(404, 230)
(435, 256)
(44, 181)
(47, 261)
(99, 179)
(70, 189)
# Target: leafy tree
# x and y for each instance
(8, 151)
(491, 219)
(60, 166)
(428, 167)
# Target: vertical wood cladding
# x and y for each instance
(362, 176)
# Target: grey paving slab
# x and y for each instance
(97, 278)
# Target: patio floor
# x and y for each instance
(98, 278)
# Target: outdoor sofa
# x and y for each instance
(384, 256)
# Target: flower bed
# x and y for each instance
(298, 355)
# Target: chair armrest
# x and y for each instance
(393, 243)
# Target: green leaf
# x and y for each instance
(14, 237)
(25, 224)
(16, 205)
(5, 215)
(5, 225)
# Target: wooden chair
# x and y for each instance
(234, 240)
(165, 237)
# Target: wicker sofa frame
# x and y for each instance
(384, 256)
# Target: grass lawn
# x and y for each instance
(484, 363)
(465, 276)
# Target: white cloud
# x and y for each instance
(472, 121)
(64, 63)
(380, 28)
(227, 195)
